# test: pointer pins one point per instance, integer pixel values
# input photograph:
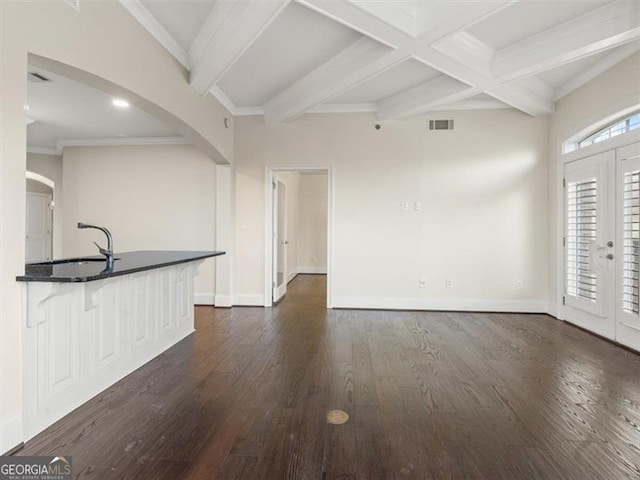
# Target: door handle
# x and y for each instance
(609, 244)
(610, 256)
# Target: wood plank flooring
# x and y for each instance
(430, 395)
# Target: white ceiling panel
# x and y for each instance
(284, 58)
(401, 77)
(524, 19)
(297, 42)
(182, 19)
(64, 109)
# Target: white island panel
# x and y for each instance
(81, 338)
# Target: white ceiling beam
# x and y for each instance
(328, 82)
(398, 14)
(364, 59)
(440, 91)
(228, 32)
(607, 27)
(468, 50)
(592, 72)
(436, 20)
(155, 28)
(524, 99)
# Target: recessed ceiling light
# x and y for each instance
(120, 103)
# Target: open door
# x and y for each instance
(279, 241)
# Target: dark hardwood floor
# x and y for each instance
(430, 395)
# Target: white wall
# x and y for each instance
(483, 223)
(312, 227)
(606, 94)
(50, 166)
(124, 59)
(149, 197)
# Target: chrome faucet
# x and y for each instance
(107, 252)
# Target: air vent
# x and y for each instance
(440, 124)
(36, 77)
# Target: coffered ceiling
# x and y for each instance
(397, 58)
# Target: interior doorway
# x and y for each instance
(38, 222)
(602, 244)
(298, 227)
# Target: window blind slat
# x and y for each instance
(631, 242)
(582, 198)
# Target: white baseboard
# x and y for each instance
(553, 310)
(223, 301)
(313, 270)
(249, 300)
(11, 432)
(291, 276)
(203, 299)
(473, 305)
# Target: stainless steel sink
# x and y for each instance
(73, 261)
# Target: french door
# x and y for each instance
(601, 244)
(628, 239)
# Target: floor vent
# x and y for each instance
(440, 124)
(36, 77)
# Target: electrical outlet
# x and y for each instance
(404, 206)
(417, 206)
(519, 285)
(449, 283)
(422, 283)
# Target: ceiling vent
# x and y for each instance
(440, 124)
(36, 77)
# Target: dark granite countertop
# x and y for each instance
(95, 267)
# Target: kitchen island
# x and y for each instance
(89, 323)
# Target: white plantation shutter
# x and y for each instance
(582, 217)
(630, 241)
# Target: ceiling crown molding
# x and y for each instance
(120, 141)
(43, 150)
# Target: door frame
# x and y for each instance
(270, 171)
(616, 142)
